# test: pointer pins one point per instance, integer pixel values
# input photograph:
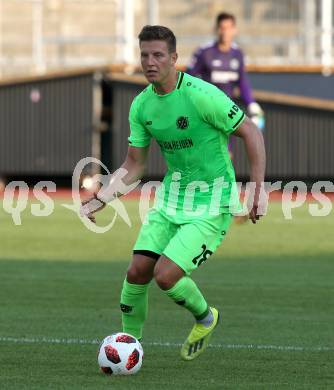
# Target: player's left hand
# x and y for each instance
(253, 215)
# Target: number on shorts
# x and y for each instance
(198, 260)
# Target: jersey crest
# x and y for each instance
(182, 122)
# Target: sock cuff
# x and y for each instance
(135, 288)
(203, 315)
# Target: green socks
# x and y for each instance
(134, 306)
(186, 293)
(134, 303)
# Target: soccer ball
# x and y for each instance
(120, 354)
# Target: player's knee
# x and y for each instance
(131, 275)
(136, 275)
(163, 280)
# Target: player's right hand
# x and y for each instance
(90, 206)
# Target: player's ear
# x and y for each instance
(174, 57)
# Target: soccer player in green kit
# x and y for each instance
(191, 121)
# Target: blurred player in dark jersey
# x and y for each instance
(222, 64)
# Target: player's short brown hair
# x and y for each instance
(224, 16)
(158, 33)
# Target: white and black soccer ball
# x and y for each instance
(120, 354)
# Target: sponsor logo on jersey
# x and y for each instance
(182, 122)
(233, 111)
(220, 76)
(234, 63)
(217, 62)
(176, 145)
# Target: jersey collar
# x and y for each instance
(178, 85)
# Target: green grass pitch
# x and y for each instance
(273, 283)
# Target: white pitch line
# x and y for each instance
(64, 341)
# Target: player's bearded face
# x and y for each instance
(156, 60)
(226, 31)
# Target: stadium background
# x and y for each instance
(69, 72)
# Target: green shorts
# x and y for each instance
(188, 244)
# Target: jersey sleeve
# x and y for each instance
(139, 136)
(221, 112)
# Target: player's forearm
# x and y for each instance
(257, 157)
(119, 183)
(135, 171)
(122, 181)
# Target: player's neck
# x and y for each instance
(224, 46)
(168, 85)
